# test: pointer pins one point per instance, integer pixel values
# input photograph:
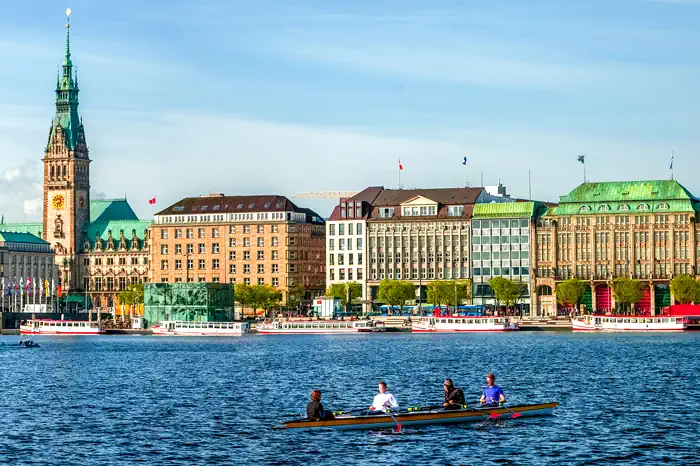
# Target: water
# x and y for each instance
(627, 399)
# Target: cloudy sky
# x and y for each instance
(181, 98)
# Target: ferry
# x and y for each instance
(451, 324)
(621, 323)
(278, 326)
(183, 328)
(60, 327)
(425, 416)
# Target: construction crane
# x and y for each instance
(325, 194)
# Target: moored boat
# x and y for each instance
(60, 327)
(182, 328)
(621, 323)
(449, 324)
(425, 416)
(280, 326)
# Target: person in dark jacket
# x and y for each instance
(454, 396)
(315, 411)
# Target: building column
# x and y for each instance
(652, 297)
(594, 300)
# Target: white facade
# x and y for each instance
(346, 253)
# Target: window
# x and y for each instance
(261, 281)
(232, 229)
(662, 206)
(331, 244)
(584, 208)
(624, 207)
(341, 229)
(201, 248)
(604, 208)
(350, 259)
(246, 281)
(455, 210)
(261, 255)
(332, 274)
(163, 265)
(275, 255)
(190, 248)
(246, 255)
(232, 255)
(215, 248)
(232, 242)
(164, 249)
(202, 280)
(275, 268)
(202, 264)
(386, 212)
(215, 264)
(349, 228)
(215, 232)
(134, 261)
(359, 243)
(643, 207)
(261, 242)
(190, 264)
(164, 234)
(275, 228)
(110, 261)
(178, 264)
(246, 228)
(178, 233)
(178, 249)
(359, 258)
(275, 282)
(341, 244)
(275, 241)
(232, 268)
(261, 229)
(200, 233)
(246, 268)
(261, 268)
(341, 259)
(189, 233)
(246, 242)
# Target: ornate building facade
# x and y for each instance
(100, 246)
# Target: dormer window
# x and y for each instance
(455, 210)
(624, 207)
(250, 206)
(267, 205)
(279, 205)
(643, 207)
(203, 208)
(662, 206)
(584, 208)
(240, 206)
(604, 208)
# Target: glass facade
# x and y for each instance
(202, 302)
(501, 248)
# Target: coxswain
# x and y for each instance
(315, 411)
(492, 395)
(384, 400)
(454, 396)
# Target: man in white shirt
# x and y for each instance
(383, 400)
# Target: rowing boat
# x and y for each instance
(424, 417)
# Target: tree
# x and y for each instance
(437, 293)
(343, 290)
(266, 297)
(507, 291)
(627, 292)
(243, 294)
(396, 292)
(570, 292)
(295, 295)
(685, 289)
(443, 292)
(133, 295)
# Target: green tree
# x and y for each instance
(243, 294)
(295, 295)
(133, 295)
(507, 291)
(266, 297)
(396, 292)
(570, 292)
(437, 293)
(685, 289)
(627, 292)
(343, 290)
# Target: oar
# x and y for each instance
(514, 415)
(398, 424)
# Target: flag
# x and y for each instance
(41, 289)
(400, 166)
(58, 289)
(464, 162)
(152, 201)
(29, 284)
(53, 288)
(672, 156)
(581, 158)
(46, 286)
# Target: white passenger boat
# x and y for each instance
(182, 328)
(60, 327)
(451, 324)
(278, 326)
(619, 323)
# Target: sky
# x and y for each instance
(182, 98)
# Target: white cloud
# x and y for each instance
(21, 192)
(33, 207)
(11, 174)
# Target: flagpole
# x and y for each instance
(399, 173)
(673, 155)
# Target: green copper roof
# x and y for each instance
(13, 237)
(33, 228)
(626, 197)
(104, 210)
(505, 209)
(116, 226)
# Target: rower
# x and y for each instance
(492, 395)
(383, 400)
(454, 396)
(315, 411)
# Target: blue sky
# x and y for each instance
(183, 98)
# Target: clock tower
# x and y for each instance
(66, 175)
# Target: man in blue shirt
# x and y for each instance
(493, 395)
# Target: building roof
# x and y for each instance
(35, 228)
(14, 237)
(218, 203)
(506, 209)
(626, 197)
(116, 227)
(446, 196)
(104, 210)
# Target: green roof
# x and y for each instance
(116, 226)
(505, 209)
(14, 237)
(105, 210)
(33, 228)
(626, 197)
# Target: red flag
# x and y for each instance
(400, 166)
(152, 201)
(59, 291)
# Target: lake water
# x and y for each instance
(626, 399)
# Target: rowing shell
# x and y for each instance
(425, 417)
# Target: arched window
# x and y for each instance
(643, 207)
(604, 208)
(544, 290)
(662, 206)
(64, 170)
(624, 207)
(584, 208)
(52, 172)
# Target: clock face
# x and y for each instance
(58, 201)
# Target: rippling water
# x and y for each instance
(630, 399)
